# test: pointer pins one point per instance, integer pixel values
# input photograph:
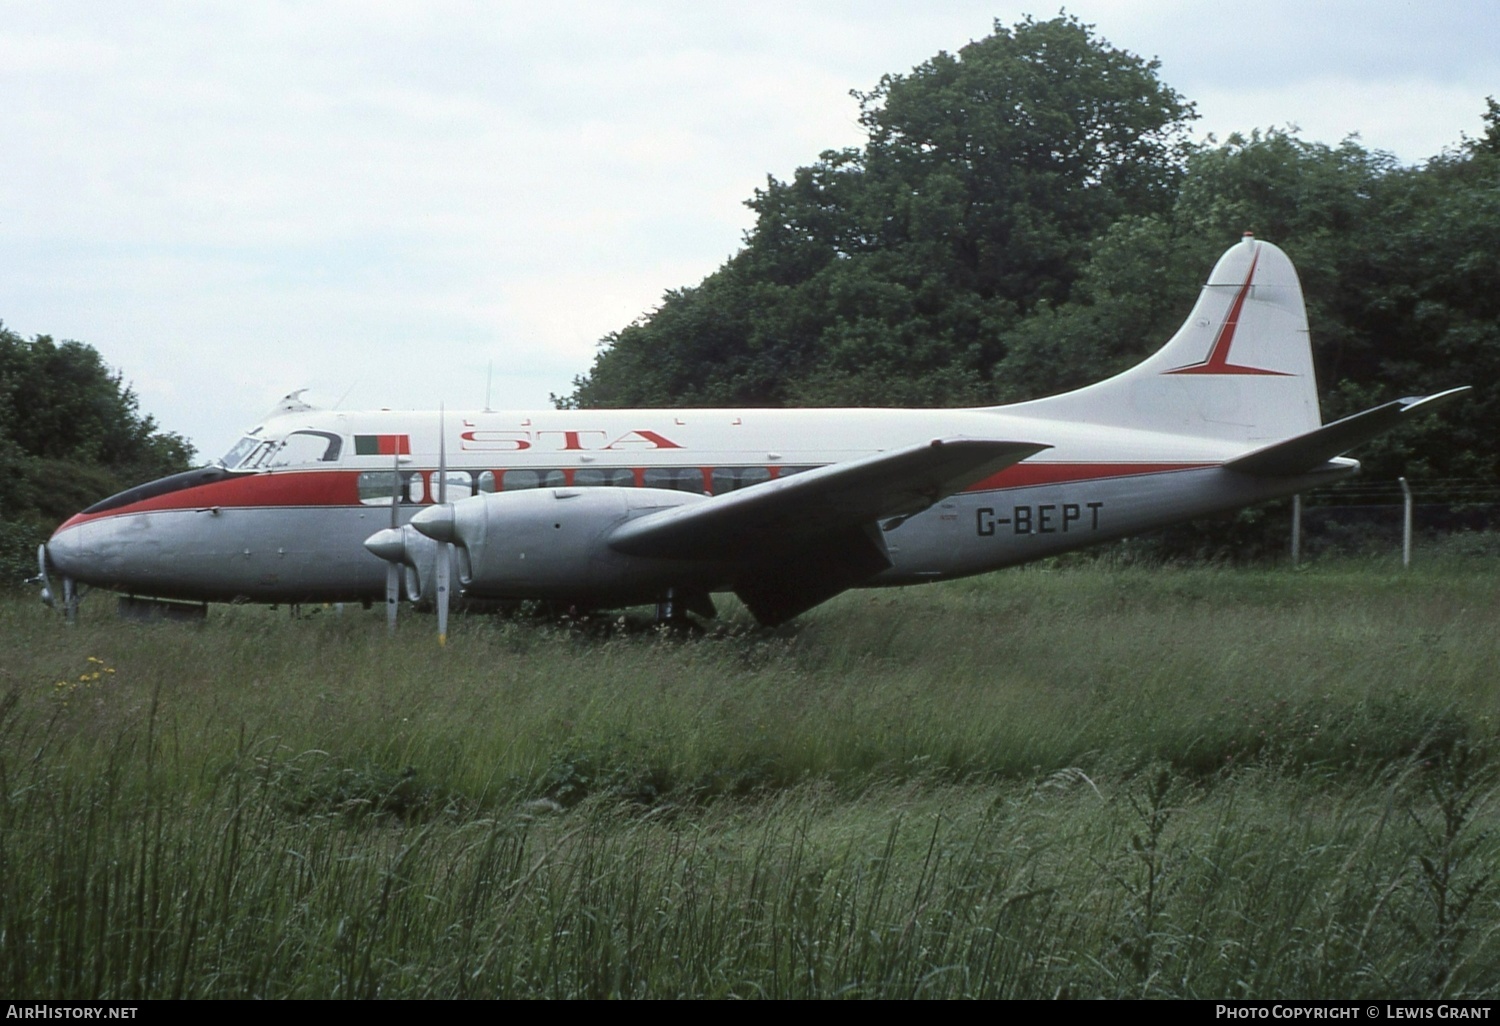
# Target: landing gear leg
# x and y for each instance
(70, 600)
(672, 613)
(668, 609)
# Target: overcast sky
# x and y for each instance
(377, 200)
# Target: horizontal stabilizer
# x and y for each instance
(1307, 451)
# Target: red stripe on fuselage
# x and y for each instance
(289, 488)
(1029, 475)
(340, 488)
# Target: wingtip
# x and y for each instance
(1411, 402)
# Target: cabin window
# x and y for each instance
(728, 479)
(375, 487)
(604, 477)
(487, 481)
(789, 471)
(681, 479)
(460, 485)
(301, 447)
(516, 480)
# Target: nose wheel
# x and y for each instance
(70, 600)
(70, 594)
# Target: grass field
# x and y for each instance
(1066, 782)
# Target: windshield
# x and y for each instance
(241, 452)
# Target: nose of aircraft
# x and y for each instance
(437, 523)
(64, 558)
(65, 552)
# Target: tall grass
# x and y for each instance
(1077, 782)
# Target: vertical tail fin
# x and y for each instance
(1239, 369)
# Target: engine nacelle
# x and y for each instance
(553, 543)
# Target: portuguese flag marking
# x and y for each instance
(382, 445)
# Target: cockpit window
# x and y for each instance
(302, 447)
(258, 456)
(241, 451)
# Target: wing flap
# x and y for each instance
(790, 513)
(1311, 450)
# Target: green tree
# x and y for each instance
(1420, 306)
(1144, 272)
(71, 433)
(892, 274)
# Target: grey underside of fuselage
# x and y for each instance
(234, 553)
(976, 532)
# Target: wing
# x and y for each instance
(802, 539)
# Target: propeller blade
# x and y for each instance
(393, 569)
(442, 594)
(395, 489)
(445, 547)
(392, 593)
